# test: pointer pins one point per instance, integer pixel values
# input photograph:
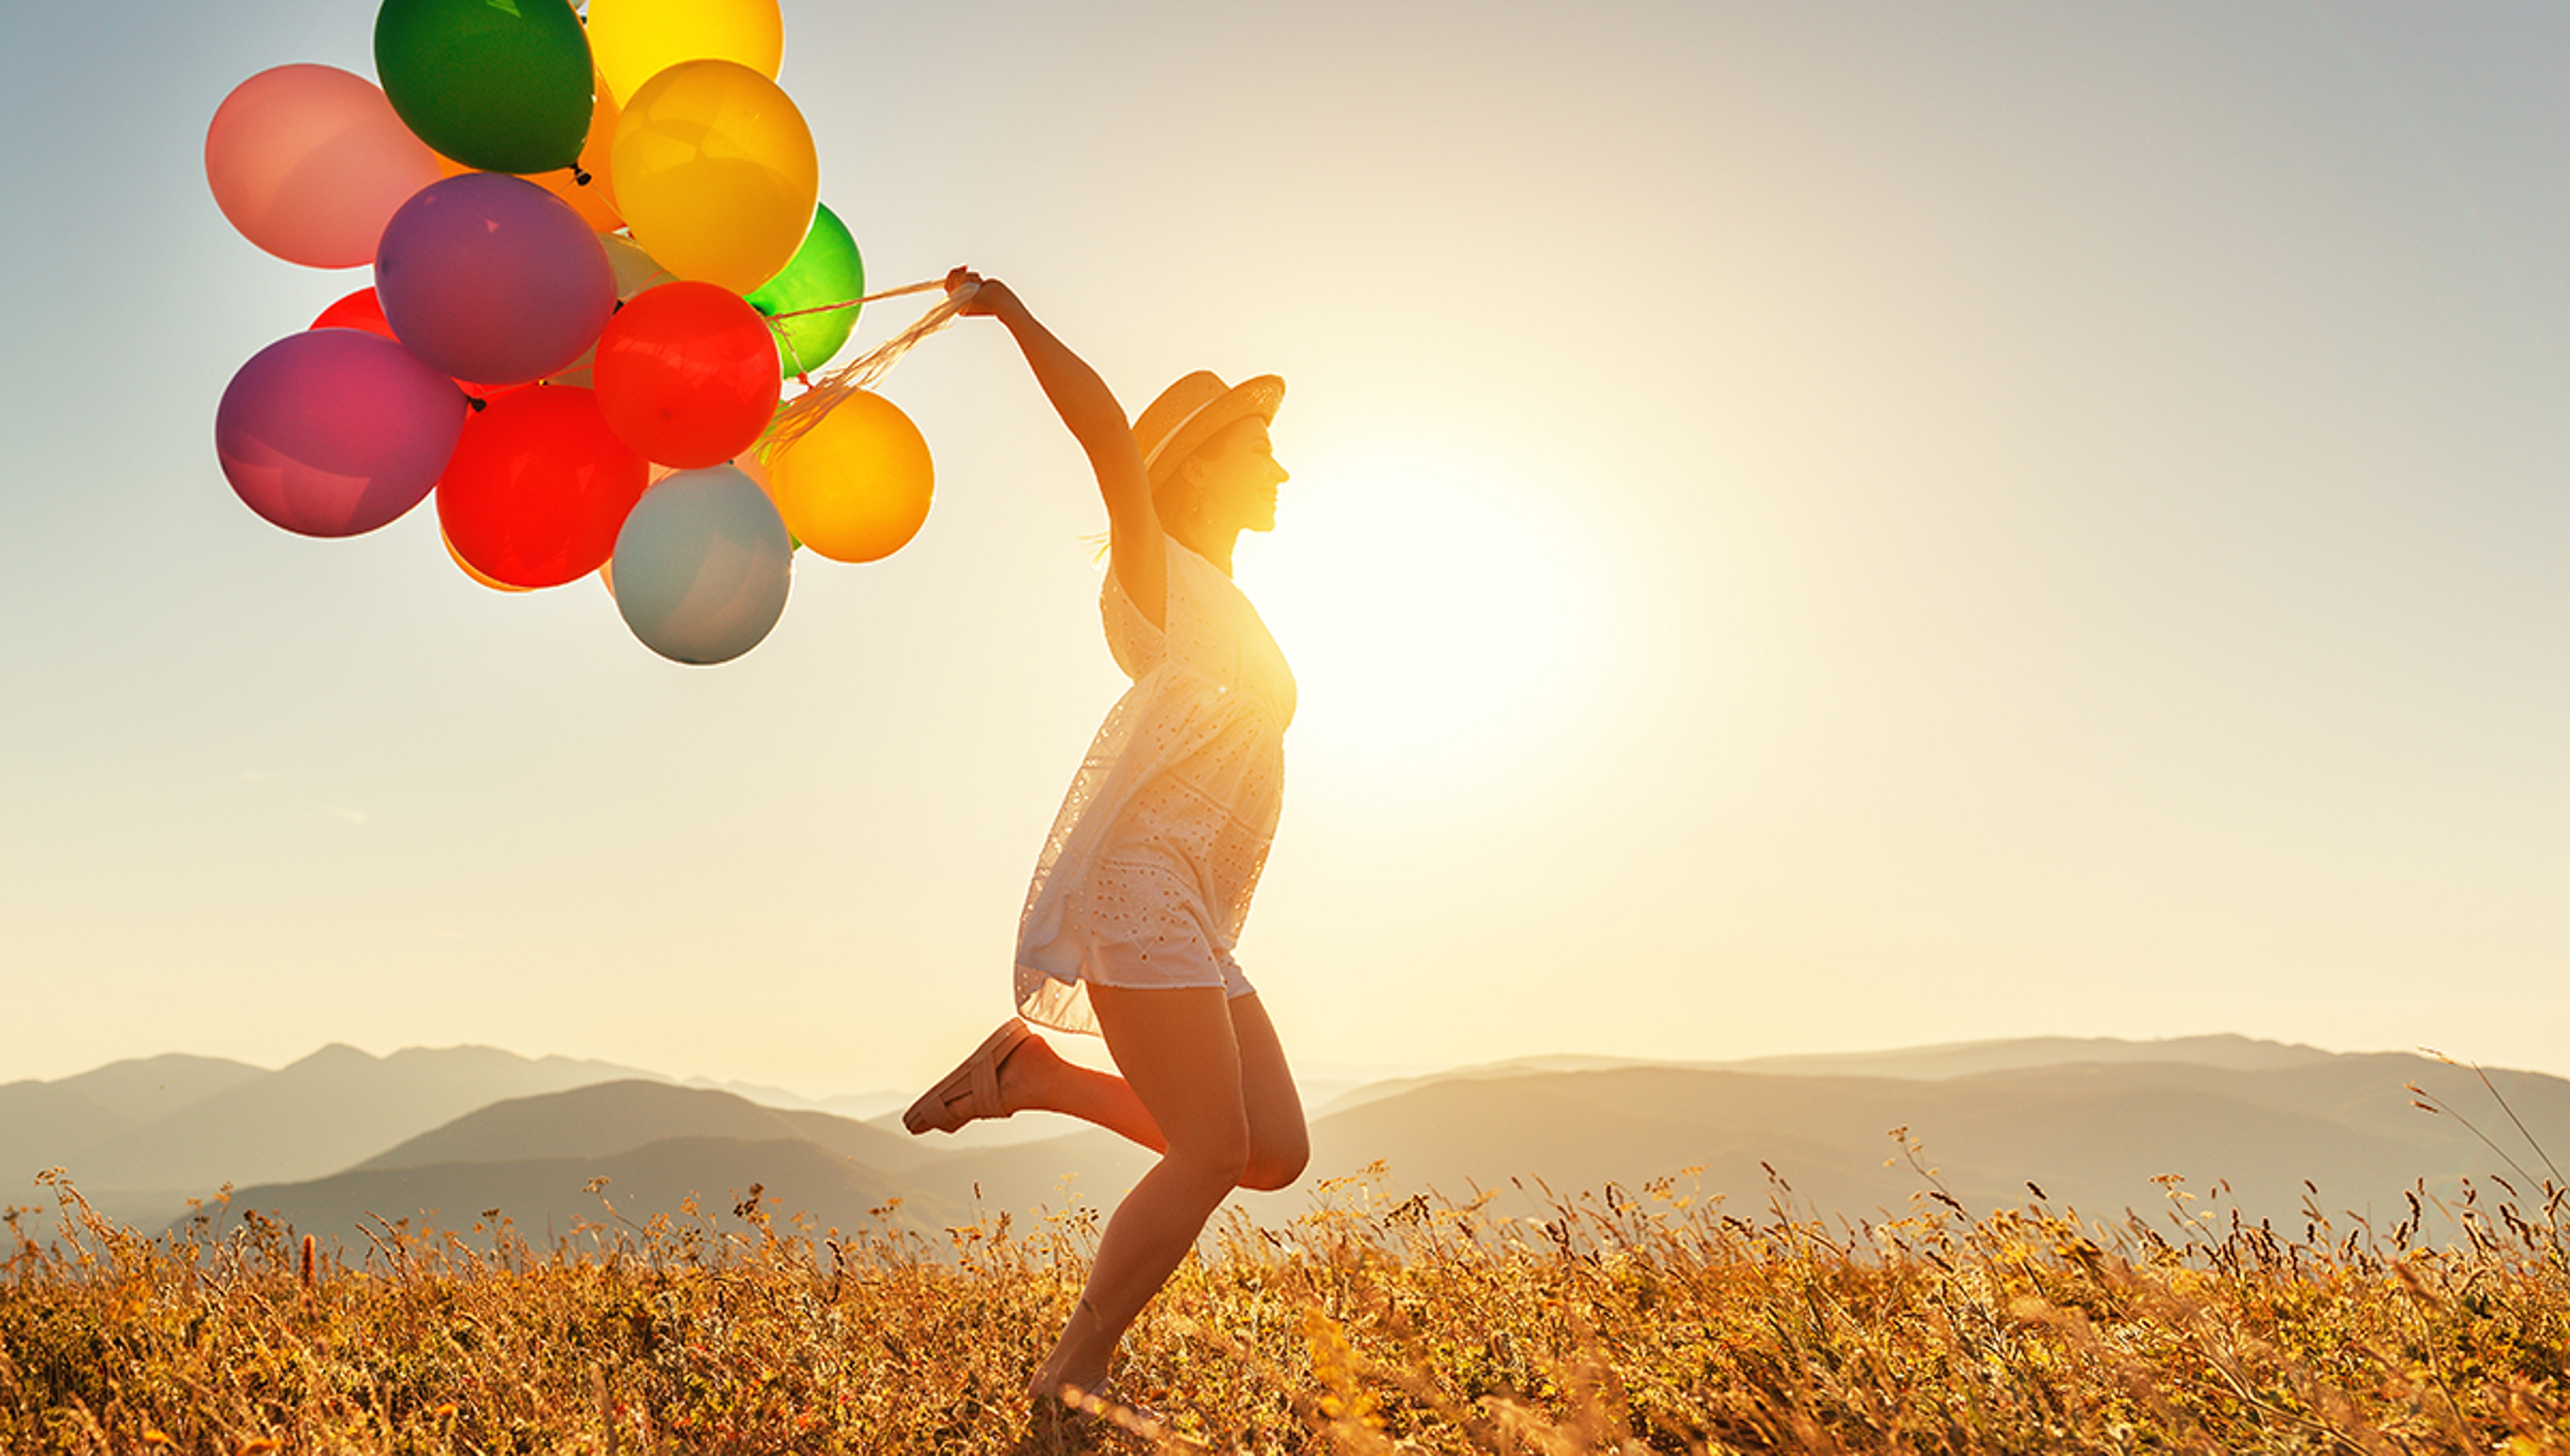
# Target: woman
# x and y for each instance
(1146, 877)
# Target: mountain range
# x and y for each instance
(461, 1136)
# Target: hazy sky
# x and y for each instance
(1814, 526)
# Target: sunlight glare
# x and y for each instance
(1426, 602)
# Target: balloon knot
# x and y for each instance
(478, 403)
(580, 176)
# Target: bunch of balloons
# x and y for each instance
(598, 255)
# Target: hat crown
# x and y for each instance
(1176, 404)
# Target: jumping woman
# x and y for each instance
(1142, 888)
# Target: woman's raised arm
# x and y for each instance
(1135, 547)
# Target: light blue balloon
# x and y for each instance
(702, 566)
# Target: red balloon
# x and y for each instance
(538, 488)
(686, 373)
(362, 310)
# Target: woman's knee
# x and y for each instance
(1220, 1155)
(1275, 1164)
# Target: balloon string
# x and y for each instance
(829, 391)
(860, 302)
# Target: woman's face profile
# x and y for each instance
(1236, 475)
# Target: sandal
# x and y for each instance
(971, 1092)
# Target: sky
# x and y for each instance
(1813, 527)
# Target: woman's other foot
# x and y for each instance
(974, 1090)
(1079, 1359)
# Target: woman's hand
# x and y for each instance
(986, 295)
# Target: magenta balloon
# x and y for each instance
(490, 277)
(309, 161)
(335, 432)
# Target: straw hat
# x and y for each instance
(1195, 409)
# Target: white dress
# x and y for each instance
(1146, 877)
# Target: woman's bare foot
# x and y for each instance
(1077, 1360)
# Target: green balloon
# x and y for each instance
(499, 85)
(826, 269)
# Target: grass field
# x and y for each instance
(1650, 1319)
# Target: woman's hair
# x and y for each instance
(1170, 496)
(1167, 497)
(1169, 492)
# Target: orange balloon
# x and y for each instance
(595, 151)
(855, 487)
(468, 569)
(595, 202)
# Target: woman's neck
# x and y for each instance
(1214, 548)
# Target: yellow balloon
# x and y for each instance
(715, 173)
(856, 486)
(636, 40)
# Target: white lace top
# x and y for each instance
(1188, 772)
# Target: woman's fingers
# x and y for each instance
(982, 295)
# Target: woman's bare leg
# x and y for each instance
(1035, 1078)
(1176, 1050)
(1279, 1141)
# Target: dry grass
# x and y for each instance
(1373, 1324)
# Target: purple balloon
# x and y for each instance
(490, 277)
(335, 432)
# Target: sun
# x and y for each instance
(1429, 604)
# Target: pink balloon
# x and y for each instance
(309, 162)
(335, 432)
(489, 277)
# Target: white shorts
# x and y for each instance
(1145, 928)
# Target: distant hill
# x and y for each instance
(46, 1124)
(314, 1117)
(1968, 1058)
(2090, 1121)
(607, 1118)
(2091, 1134)
(658, 1142)
(149, 1088)
(860, 1105)
(598, 1120)
(547, 1199)
(1931, 1063)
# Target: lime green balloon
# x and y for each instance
(497, 85)
(826, 269)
